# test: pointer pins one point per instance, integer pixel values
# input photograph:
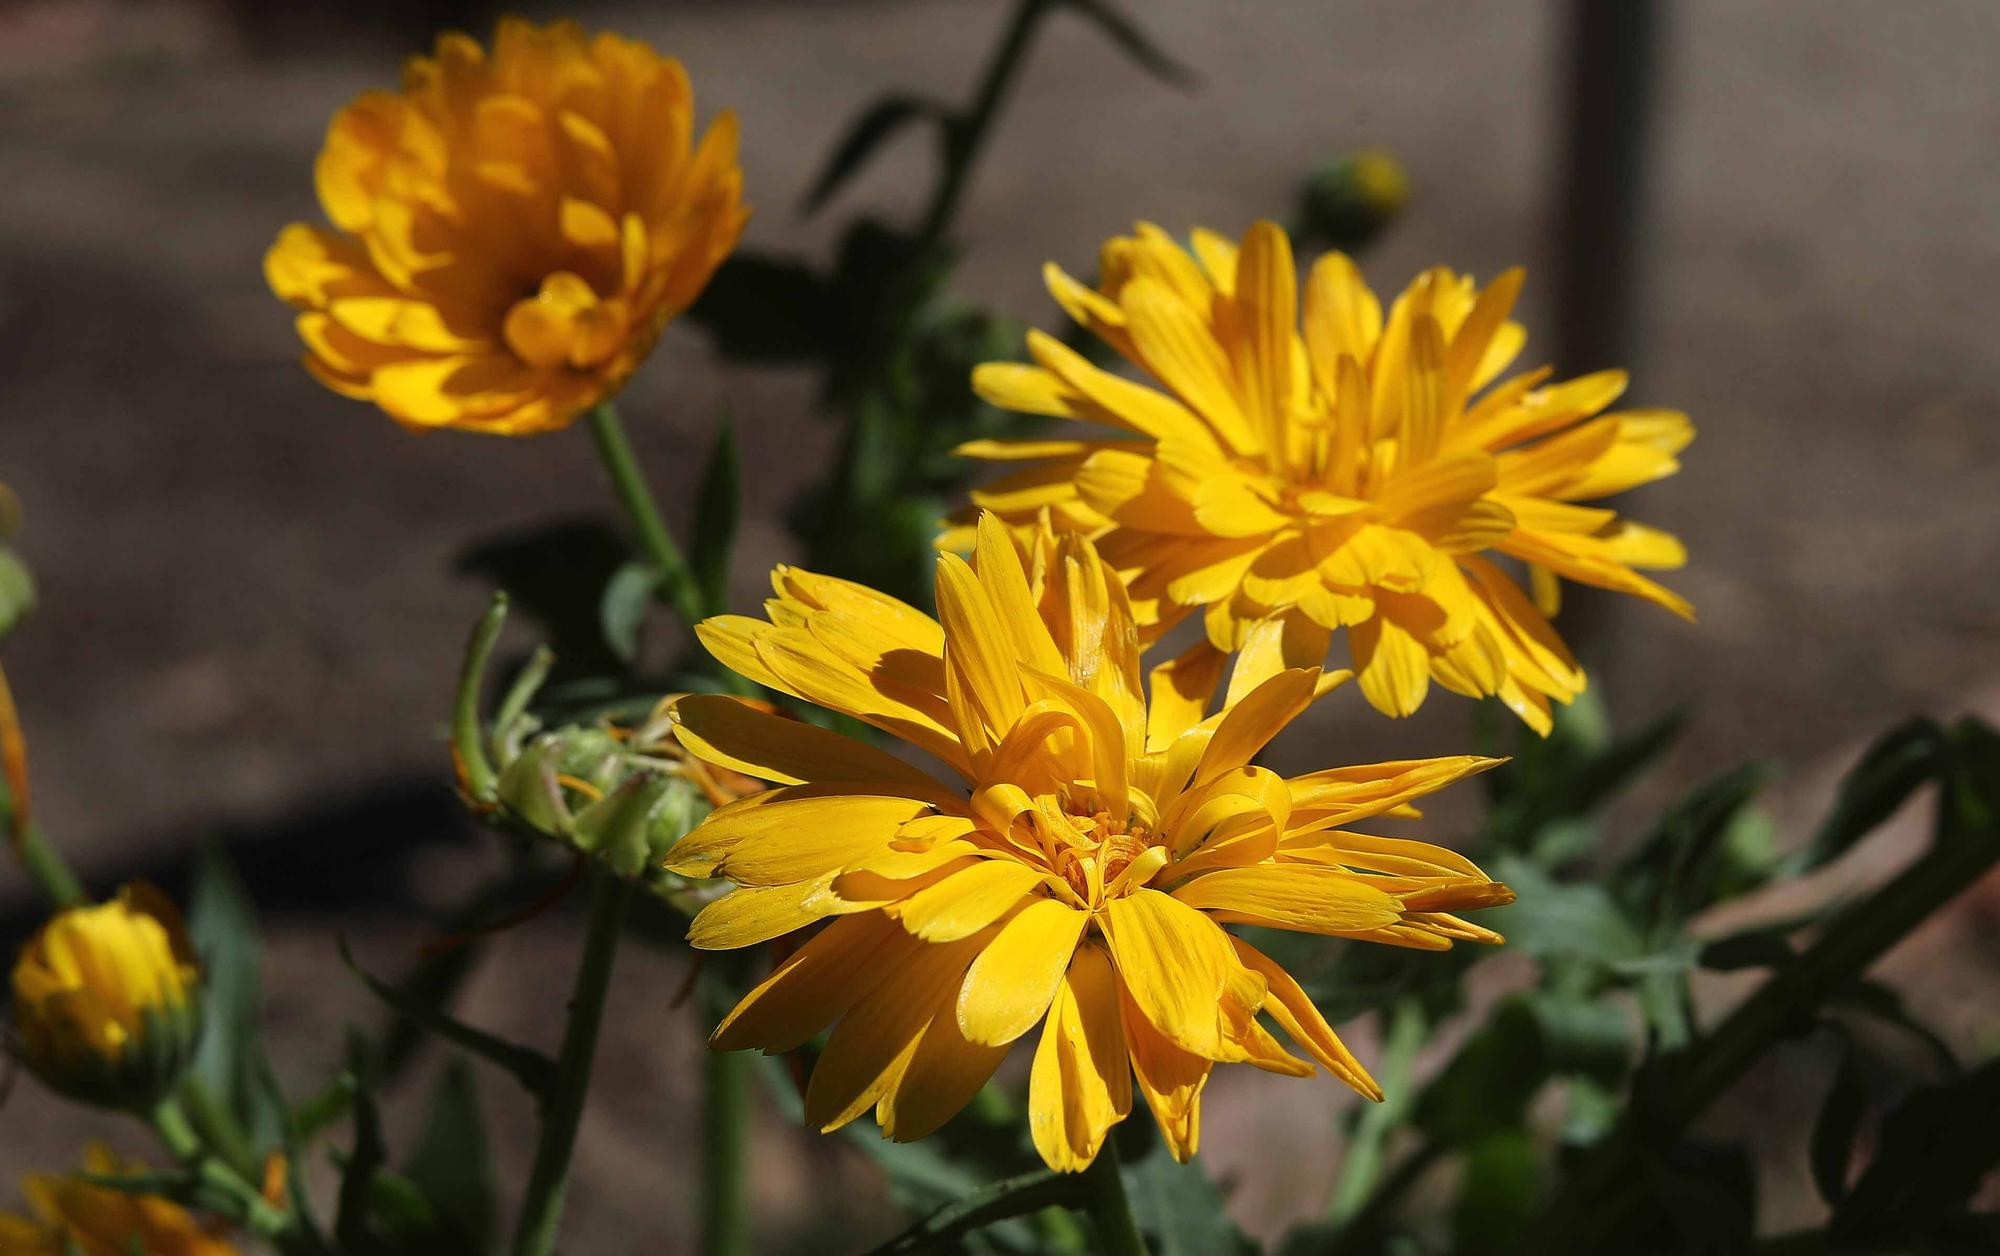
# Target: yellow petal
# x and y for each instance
(871, 1047)
(1169, 1077)
(1392, 666)
(791, 834)
(737, 735)
(748, 916)
(1290, 896)
(964, 903)
(1012, 982)
(1081, 1084)
(1296, 1015)
(816, 984)
(1175, 962)
(1249, 726)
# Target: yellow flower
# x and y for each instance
(106, 1000)
(1080, 874)
(1305, 465)
(71, 1215)
(512, 230)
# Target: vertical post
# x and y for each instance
(1612, 46)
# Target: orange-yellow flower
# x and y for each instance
(69, 1214)
(1077, 875)
(511, 231)
(1303, 464)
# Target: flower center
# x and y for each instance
(1098, 856)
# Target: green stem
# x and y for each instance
(968, 130)
(219, 1127)
(174, 1130)
(562, 1107)
(468, 739)
(49, 869)
(1110, 1211)
(725, 1123)
(677, 582)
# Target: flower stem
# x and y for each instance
(1362, 1163)
(1110, 1211)
(725, 1121)
(49, 869)
(562, 1106)
(677, 582)
(174, 1130)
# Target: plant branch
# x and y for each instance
(562, 1110)
(1110, 1210)
(677, 584)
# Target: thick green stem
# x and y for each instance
(1362, 1163)
(725, 1128)
(677, 582)
(1591, 1204)
(562, 1107)
(1110, 1211)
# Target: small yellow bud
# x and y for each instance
(72, 1214)
(107, 1000)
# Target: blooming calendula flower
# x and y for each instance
(1301, 464)
(511, 231)
(107, 1000)
(70, 1215)
(1078, 875)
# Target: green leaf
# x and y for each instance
(452, 1164)
(1831, 1150)
(530, 1067)
(869, 131)
(716, 516)
(1882, 1003)
(1135, 43)
(222, 925)
(1685, 863)
(1894, 768)
(621, 611)
(1014, 1197)
(1179, 1210)
(1554, 920)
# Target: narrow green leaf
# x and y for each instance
(452, 1165)
(357, 1176)
(1135, 43)
(869, 131)
(530, 1067)
(1834, 1129)
(717, 513)
(1899, 763)
(222, 925)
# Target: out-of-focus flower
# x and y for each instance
(1306, 465)
(17, 586)
(1347, 202)
(1078, 878)
(107, 1000)
(71, 1216)
(511, 231)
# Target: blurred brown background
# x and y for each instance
(249, 622)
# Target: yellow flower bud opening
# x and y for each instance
(106, 1000)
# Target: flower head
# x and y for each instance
(1080, 873)
(70, 1214)
(511, 231)
(107, 1000)
(1304, 464)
